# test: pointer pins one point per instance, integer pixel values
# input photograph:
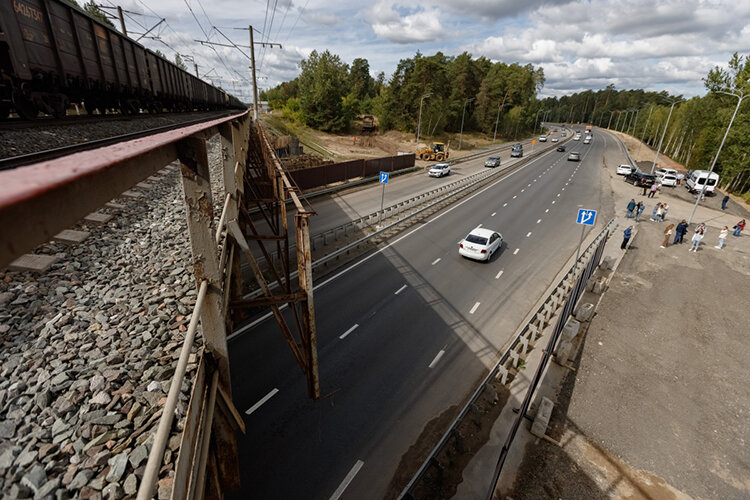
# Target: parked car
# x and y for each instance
(668, 180)
(542, 138)
(492, 161)
(517, 151)
(440, 170)
(662, 171)
(624, 169)
(638, 178)
(574, 156)
(480, 244)
(561, 147)
(698, 178)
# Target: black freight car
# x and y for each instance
(53, 53)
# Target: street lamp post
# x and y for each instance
(610, 119)
(419, 120)
(631, 119)
(653, 166)
(740, 96)
(535, 118)
(643, 135)
(463, 114)
(617, 123)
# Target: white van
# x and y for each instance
(698, 178)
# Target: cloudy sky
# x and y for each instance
(650, 44)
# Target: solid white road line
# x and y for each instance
(436, 261)
(529, 234)
(348, 479)
(260, 403)
(350, 330)
(437, 358)
(400, 290)
(499, 274)
(540, 220)
(517, 249)
(473, 309)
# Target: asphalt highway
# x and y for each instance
(404, 333)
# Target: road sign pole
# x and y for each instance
(382, 199)
(580, 242)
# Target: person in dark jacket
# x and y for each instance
(679, 231)
(626, 236)
(724, 202)
(631, 207)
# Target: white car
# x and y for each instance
(440, 169)
(480, 244)
(665, 171)
(542, 138)
(624, 169)
(577, 137)
(555, 139)
(587, 140)
(668, 180)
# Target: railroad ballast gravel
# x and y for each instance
(88, 349)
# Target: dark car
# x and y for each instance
(641, 179)
(492, 162)
(561, 147)
(517, 151)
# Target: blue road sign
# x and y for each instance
(586, 217)
(384, 177)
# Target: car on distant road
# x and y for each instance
(587, 140)
(517, 151)
(542, 138)
(640, 179)
(480, 244)
(440, 170)
(577, 137)
(561, 147)
(624, 169)
(492, 161)
(573, 156)
(555, 139)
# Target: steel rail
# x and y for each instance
(515, 342)
(50, 154)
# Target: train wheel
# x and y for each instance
(25, 108)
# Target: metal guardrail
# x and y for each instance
(518, 347)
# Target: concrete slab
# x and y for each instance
(98, 218)
(33, 262)
(132, 194)
(116, 206)
(144, 185)
(71, 236)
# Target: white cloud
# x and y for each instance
(419, 26)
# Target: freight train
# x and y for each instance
(53, 53)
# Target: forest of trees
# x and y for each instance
(329, 94)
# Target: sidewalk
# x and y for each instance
(658, 405)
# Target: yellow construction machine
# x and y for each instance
(438, 151)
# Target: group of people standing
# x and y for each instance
(635, 210)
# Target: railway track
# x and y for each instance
(57, 152)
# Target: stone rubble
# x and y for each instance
(88, 349)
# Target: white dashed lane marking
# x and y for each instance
(499, 274)
(538, 221)
(437, 358)
(493, 214)
(400, 290)
(347, 480)
(350, 330)
(517, 249)
(436, 261)
(473, 309)
(263, 400)
(528, 234)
